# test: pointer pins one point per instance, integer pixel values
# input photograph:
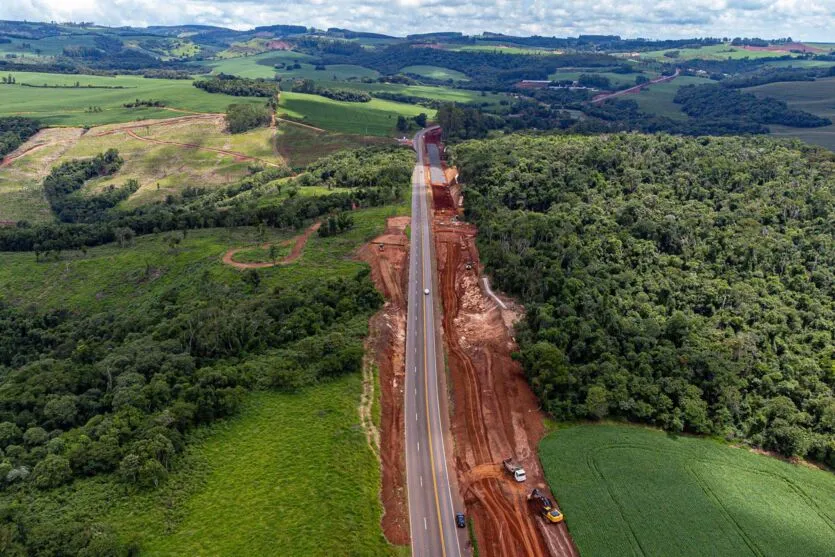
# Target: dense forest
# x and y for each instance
(14, 131)
(686, 283)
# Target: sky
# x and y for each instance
(809, 20)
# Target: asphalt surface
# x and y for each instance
(431, 510)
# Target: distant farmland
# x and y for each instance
(634, 491)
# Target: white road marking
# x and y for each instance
(424, 523)
(418, 446)
(415, 416)
(421, 481)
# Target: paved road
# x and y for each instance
(431, 510)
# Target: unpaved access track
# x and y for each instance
(298, 247)
(636, 89)
(388, 256)
(494, 413)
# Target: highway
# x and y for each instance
(431, 507)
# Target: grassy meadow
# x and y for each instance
(635, 491)
(290, 475)
(713, 52)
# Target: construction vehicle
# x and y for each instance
(542, 505)
(514, 470)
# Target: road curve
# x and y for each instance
(431, 507)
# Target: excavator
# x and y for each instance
(542, 505)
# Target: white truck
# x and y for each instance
(514, 470)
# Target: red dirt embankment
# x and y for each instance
(496, 415)
(298, 246)
(387, 342)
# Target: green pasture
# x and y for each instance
(812, 96)
(435, 72)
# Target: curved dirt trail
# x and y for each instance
(298, 246)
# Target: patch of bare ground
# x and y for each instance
(388, 256)
(496, 415)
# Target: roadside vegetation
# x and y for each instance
(677, 282)
(629, 490)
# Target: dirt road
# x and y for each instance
(389, 271)
(298, 247)
(495, 414)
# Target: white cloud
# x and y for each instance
(800, 19)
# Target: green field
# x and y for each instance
(615, 78)
(435, 72)
(658, 99)
(812, 96)
(69, 106)
(634, 491)
(291, 475)
(713, 52)
(259, 65)
(377, 117)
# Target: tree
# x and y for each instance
(52, 471)
(597, 401)
(420, 119)
(244, 117)
(402, 124)
(253, 278)
(273, 253)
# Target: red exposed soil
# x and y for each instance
(279, 45)
(787, 47)
(388, 257)
(298, 246)
(496, 415)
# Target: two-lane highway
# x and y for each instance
(431, 507)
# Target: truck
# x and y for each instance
(514, 470)
(540, 503)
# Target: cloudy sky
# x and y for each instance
(810, 20)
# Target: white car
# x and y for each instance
(426, 291)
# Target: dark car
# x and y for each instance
(459, 520)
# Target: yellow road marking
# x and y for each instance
(428, 418)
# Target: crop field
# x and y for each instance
(71, 106)
(505, 49)
(299, 146)
(635, 491)
(276, 461)
(435, 72)
(811, 96)
(377, 117)
(658, 99)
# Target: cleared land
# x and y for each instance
(68, 105)
(635, 491)
(377, 117)
(160, 168)
(435, 72)
(615, 78)
(811, 96)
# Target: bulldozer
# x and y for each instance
(540, 503)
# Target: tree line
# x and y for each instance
(14, 131)
(685, 283)
(238, 86)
